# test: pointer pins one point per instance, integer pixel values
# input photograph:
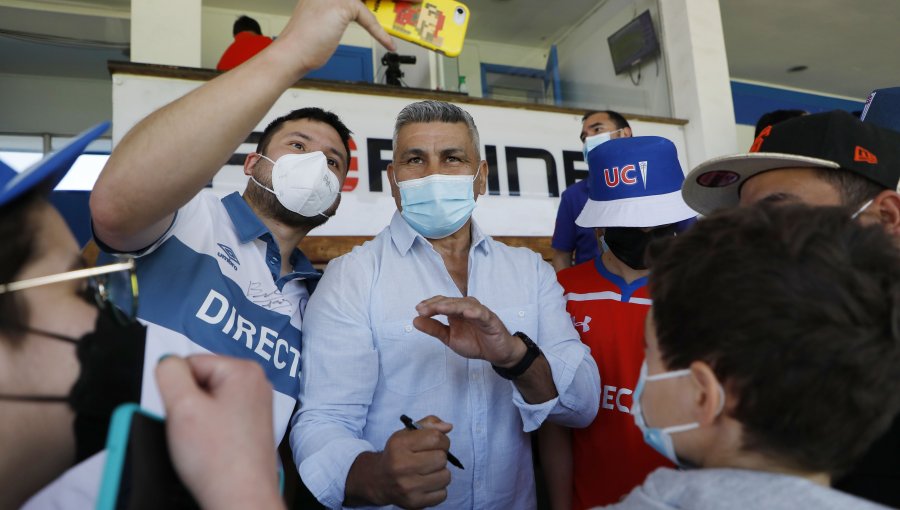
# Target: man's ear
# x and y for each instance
(887, 206)
(250, 162)
(627, 132)
(709, 396)
(395, 192)
(481, 183)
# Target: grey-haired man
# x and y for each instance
(504, 359)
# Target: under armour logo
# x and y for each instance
(584, 325)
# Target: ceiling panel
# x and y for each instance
(848, 46)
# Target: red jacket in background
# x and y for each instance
(245, 45)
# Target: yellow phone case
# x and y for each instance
(438, 25)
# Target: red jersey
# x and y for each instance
(610, 457)
(246, 45)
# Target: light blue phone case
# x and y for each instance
(116, 446)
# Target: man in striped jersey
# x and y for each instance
(633, 193)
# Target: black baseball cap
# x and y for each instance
(834, 139)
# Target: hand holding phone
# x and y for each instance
(216, 440)
(219, 423)
(438, 25)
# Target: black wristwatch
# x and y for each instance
(519, 368)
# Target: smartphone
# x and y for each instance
(438, 25)
(139, 473)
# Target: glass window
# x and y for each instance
(22, 151)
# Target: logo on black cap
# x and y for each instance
(864, 156)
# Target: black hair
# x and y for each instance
(616, 117)
(18, 231)
(246, 24)
(311, 113)
(797, 311)
(854, 189)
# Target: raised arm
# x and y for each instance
(170, 155)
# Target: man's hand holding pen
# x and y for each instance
(414, 465)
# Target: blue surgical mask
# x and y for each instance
(592, 142)
(660, 439)
(438, 205)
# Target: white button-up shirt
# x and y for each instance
(364, 364)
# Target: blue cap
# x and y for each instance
(883, 108)
(47, 172)
(634, 182)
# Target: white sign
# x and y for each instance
(533, 155)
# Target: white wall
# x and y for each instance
(47, 104)
(744, 137)
(165, 32)
(694, 45)
(586, 69)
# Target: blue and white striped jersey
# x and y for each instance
(212, 284)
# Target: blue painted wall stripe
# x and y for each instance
(349, 63)
(751, 101)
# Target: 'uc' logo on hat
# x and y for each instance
(633, 167)
(634, 182)
(625, 175)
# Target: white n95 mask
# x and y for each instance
(303, 183)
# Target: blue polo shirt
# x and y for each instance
(567, 236)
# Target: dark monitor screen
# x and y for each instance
(633, 43)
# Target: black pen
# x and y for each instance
(411, 425)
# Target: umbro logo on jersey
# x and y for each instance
(228, 255)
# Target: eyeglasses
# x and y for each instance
(113, 284)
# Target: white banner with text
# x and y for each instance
(532, 155)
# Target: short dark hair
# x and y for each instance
(854, 189)
(246, 24)
(775, 117)
(616, 117)
(797, 310)
(18, 230)
(311, 113)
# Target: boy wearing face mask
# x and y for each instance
(772, 362)
(68, 358)
(634, 193)
(573, 243)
